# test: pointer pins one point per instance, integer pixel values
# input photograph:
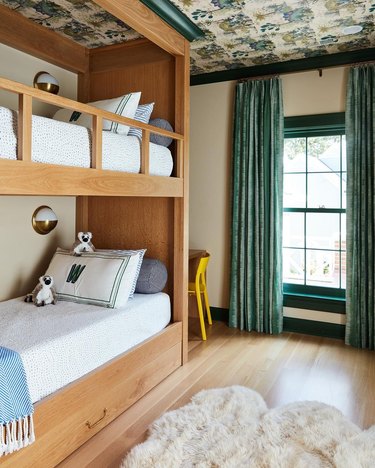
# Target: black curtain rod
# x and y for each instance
(319, 70)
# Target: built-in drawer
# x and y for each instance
(71, 416)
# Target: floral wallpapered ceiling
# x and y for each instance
(238, 33)
(80, 20)
(245, 33)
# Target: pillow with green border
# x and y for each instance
(139, 253)
(125, 106)
(94, 278)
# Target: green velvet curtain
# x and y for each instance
(360, 137)
(256, 264)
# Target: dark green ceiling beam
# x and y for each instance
(175, 18)
(323, 61)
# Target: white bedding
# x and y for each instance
(60, 343)
(65, 144)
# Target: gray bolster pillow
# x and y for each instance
(152, 277)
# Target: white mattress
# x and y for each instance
(65, 144)
(60, 343)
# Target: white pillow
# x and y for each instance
(139, 253)
(93, 278)
(125, 106)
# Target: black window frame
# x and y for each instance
(302, 296)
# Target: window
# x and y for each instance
(314, 220)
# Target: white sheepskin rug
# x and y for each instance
(232, 427)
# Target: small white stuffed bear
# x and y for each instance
(44, 292)
(83, 244)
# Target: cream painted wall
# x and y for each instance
(210, 149)
(24, 254)
(306, 93)
(210, 158)
(18, 66)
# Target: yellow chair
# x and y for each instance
(198, 288)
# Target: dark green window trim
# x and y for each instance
(315, 125)
(321, 304)
(314, 291)
(314, 298)
(303, 296)
(314, 210)
(175, 18)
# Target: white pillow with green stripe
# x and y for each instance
(139, 253)
(93, 278)
(123, 105)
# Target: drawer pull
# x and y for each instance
(90, 426)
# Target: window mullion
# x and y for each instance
(305, 215)
(314, 210)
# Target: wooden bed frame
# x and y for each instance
(155, 208)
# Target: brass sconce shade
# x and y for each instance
(44, 220)
(46, 82)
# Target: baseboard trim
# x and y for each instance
(315, 328)
(219, 314)
(294, 325)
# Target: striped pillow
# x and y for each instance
(94, 278)
(142, 114)
(125, 106)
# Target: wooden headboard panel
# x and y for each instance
(137, 65)
(139, 222)
(134, 223)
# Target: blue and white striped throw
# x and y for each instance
(16, 409)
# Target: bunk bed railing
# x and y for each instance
(26, 94)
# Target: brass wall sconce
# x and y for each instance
(44, 220)
(46, 82)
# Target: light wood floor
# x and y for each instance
(282, 369)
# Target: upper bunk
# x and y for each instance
(157, 65)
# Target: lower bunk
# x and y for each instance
(112, 357)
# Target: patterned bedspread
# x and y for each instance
(65, 144)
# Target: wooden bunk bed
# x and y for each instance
(155, 208)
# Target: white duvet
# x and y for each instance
(65, 144)
(60, 343)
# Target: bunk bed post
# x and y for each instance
(181, 205)
(25, 106)
(97, 142)
(82, 203)
(180, 159)
(145, 152)
(83, 84)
